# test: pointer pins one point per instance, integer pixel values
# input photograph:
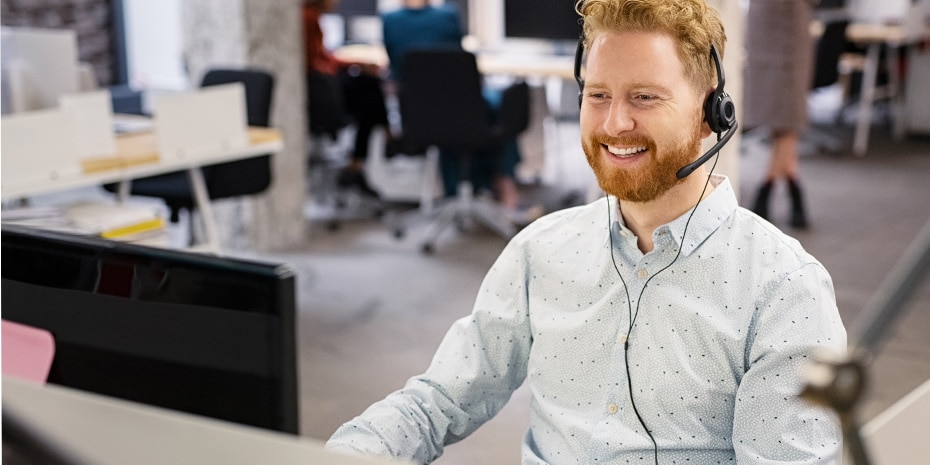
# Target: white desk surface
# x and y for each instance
(891, 34)
(137, 157)
(875, 36)
(527, 64)
(514, 64)
(101, 430)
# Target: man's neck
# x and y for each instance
(645, 217)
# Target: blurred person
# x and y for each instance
(661, 323)
(779, 74)
(360, 85)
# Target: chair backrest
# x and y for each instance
(252, 175)
(440, 100)
(514, 116)
(326, 107)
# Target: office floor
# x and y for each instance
(373, 308)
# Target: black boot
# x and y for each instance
(798, 215)
(761, 205)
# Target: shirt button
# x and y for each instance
(642, 273)
(612, 409)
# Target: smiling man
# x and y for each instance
(659, 324)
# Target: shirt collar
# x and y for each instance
(710, 214)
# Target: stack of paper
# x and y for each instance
(123, 222)
(115, 221)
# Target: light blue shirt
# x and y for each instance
(715, 350)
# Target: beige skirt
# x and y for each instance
(779, 64)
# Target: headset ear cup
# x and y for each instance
(726, 112)
(719, 111)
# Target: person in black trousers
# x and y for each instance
(360, 87)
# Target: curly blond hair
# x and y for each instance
(693, 24)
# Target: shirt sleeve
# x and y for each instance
(771, 423)
(479, 363)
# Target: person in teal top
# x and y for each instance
(419, 24)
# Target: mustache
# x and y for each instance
(628, 141)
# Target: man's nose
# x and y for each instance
(619, 118)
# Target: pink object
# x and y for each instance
(27, 351)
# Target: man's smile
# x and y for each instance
(626, 152)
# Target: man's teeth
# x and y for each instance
(625, 152)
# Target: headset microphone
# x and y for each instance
(690, 167)
(719, 110)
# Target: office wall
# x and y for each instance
(152, 37)
(90, 19)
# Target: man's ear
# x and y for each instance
(705, 126)
(705, 129)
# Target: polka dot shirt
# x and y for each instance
(694, 355)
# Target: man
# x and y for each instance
(661, 324)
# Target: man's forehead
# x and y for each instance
(640, 56)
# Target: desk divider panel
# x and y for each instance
(202, 122)
(38, 146)
(92, 113)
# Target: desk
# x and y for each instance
(527, 65)
(86, 428)
(874, 37)
(513, 64)
(137, 157)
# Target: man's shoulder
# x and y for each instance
(579, 217)
(765, 241)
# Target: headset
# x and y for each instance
(719, 109)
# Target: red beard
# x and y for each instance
(648, 181)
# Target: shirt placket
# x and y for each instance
(618, 420)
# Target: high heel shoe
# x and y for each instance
(798, 215)
(761, 205)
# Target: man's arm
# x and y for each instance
(478, 365)
(771, 423)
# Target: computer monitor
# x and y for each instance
(197, 333)
(553, 20)
(357, 7)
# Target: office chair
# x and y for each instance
(441, 105)
(832, 55)
(223, 180)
